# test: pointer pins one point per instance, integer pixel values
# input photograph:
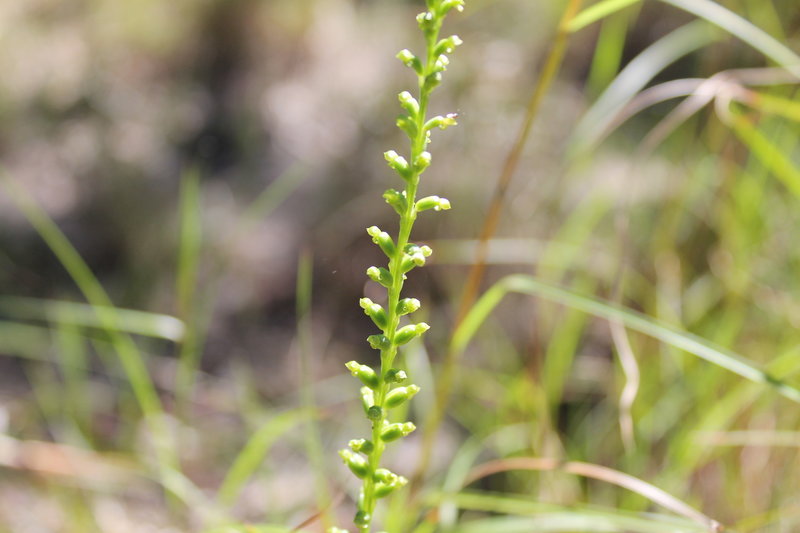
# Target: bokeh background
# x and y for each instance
(215, 163)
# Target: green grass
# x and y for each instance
(686, 250)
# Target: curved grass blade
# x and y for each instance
(635, 76)
(600, 473)
(636, 321)
(596, 12)
(742, 29)
(569, 521)
(514, 505)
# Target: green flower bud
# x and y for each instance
(385, 476)
(395, 375)
(400, 395)
(432, 202)
(447, 5)
(379, 342)
(407, 305)
(422, 162)
(426, 21)
(365, 373)
(441, 122)
(432, 80)
(397, 200)
(415, 255)
(441, 63)
(406, 333)
(362, 519)
(405, 123)
(367, 398)
(356, 463)
(384, 489)
(393, 432)
(380, 275)
(447, 45)
(382, 239)
(361, 445)
(410, 261)
(375, 312)
(409, 103)
(410, 60)
(336, 530)
(398, 163)
(374, 413)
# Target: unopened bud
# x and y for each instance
(400, 395)
(382, 239)
(361, 446)
(398, 163)
(432, 202)
(410, 60)
(397, 200)
(380, 275)
(447, 45)
(356, 463)
(406, 333)
(441, 122)
(375, 312)
(422, 162)
(364, 373)
(409, 103)
(393, 432)
(395, 375)
(407, 305)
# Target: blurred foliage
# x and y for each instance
(190, 150)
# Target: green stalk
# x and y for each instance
(379, 395)
(407, 220)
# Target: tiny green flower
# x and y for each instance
(392, 432)
(432, 202)
(364, 373)
(381, 392)
(406, 333)
(356, 463)
(395, 375)
(400, 395)
(407, 306)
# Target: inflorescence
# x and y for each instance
(387, 387)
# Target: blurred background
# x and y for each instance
(215, 163)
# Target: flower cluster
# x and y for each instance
(387, 388)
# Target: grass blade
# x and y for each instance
(600, 473)
(129, 355)
(569, 521)
(78, 314)
(772, 157)
(596, 12)
(635, 76)
(189, 248)
(741, 28)
(631, 319)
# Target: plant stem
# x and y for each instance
(407, 220)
